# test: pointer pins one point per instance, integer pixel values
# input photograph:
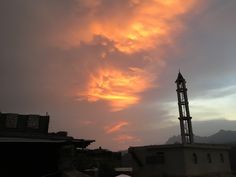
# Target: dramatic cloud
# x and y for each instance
(105, 69)
(129, 27)
(119, 88)
(132, 25)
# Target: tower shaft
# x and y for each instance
(184, 113)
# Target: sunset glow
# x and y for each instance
(154, 22)
(105, 70)
(116, 127)
(120, 89)
(135, 26)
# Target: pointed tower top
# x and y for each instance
(180, 78)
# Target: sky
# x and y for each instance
(105, 69)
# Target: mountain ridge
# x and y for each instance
(220, 137)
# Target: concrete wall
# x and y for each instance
(208, 161)
(179, 160)
(173, 162)
(23, 123)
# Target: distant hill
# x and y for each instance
(221, 137)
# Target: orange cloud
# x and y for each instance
(116, 127)
(128, 26)
(119, 88)
(132, 25)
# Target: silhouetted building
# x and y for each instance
(28, 149)
(181, 160)
(98, 161)
(23, 124)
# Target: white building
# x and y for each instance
(180, 160)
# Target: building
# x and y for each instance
(185, 159)
(180, 160)
(98, 162)
(18, 125)
(28, 149)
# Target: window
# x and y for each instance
(209, 158)
(160, 156)
(11, 121)
(33, 122)
(222, 158)
(157, 158)
(151, 159)
(195, 161)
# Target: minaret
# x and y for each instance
(184, 114)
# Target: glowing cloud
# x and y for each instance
(116, 127)
(120, 89)
(132, 25)
(154, 22)
(127, 26)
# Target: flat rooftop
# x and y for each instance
(176, 146)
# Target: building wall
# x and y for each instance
(232, 158)
(209, 161)
(180, 161)
(10, 123)
(173, 163)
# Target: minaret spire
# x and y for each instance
(184, 114)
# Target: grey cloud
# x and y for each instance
(37, 77)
